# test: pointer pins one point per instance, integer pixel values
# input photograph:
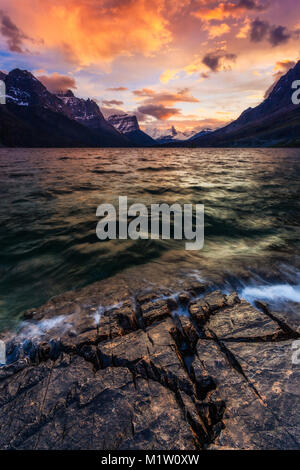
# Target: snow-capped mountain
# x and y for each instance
(87, 113)
(173, 135)
(128, 125)
(23, 89)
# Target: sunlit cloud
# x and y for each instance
(56, 82)
(168, 75)
(111, 103)
(228, 9)
(218, 30)
(91, 31)
(120, 88)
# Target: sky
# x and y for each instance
(188, 63)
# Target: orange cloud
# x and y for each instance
(224, 10)
(159, 104)
(218, 30)
(167, 75)
(89, 31)
(159, 111)
(119, 88)
(165, 98)
(57, 82)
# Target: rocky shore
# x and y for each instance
(102, 368)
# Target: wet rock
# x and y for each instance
(91, 371)
(154, 311)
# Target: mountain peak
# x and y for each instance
(66, 94)
(125, 123)
(24, 89)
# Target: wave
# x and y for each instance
(115, 172)
(277, 293)
(160, 168)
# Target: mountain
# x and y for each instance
(87, 113)
(23, 89)
(165, 136)
(35, 126)
(129, 126)
(203, 132)
(275, 122)
(33, 116)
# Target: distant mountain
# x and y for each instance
(129, 126)
(275, 122)
(165, 136)
(36, 117)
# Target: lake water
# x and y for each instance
(48, 219)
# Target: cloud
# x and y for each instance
(91, 31)
(218, 30)
(159, 111)
(224, 10)
(168, 75)
(218, 60)
(262, 30)
(244, 30)
(159, 104)
(280, 69)
(258, 30)
(120, 88)
(57, 82)
(166, 98)
(110, 103)
(14, 36)
(279, 35)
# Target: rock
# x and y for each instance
(241, 321)
(154, 311)
(257, 382)
(91, 370)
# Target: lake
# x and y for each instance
(49, 197)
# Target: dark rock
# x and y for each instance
(92, 371)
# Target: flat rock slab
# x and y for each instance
(259, 385)
(66, 406)
(92, 370)
(242, 321)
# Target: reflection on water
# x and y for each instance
(48, 218)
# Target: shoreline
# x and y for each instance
(102, 368)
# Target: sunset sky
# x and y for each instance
(191, 63)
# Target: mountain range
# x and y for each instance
(35, 117)
(166, 136)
